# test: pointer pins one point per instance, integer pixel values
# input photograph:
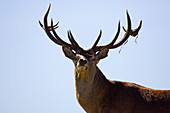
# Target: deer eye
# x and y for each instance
(97, 52)
(73, 51)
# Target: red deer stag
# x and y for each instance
(94, 92)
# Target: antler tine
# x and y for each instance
(69, 37)
(134, 32)
(115, 38)
(41, 24)
(96, 42)
(112, 45)
(127, 34)
(97, 48)
(55, 26)
(47, 29)
(73, 41)
(60, 41)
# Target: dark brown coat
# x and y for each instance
(106, 96)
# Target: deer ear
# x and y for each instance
(68, 52)
(102, 54)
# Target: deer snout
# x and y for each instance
(82, 62)
(82, 65)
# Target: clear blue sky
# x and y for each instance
(35, 77)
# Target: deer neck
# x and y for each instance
(90, 87)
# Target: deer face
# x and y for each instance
(85, 61)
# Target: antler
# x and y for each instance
(56, 39)
(50, 28)
(74, 45)
(112, 44)
(134, 32)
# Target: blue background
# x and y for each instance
(35, 76)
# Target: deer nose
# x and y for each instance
(82, 62)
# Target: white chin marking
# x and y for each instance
(82, 68)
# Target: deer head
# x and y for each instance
(85, 61)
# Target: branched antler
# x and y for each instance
(54, 37)
(128, 32)
(74, 45)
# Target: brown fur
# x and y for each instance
(104, 96)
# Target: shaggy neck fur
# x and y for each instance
(96, 94)
(88, 89)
